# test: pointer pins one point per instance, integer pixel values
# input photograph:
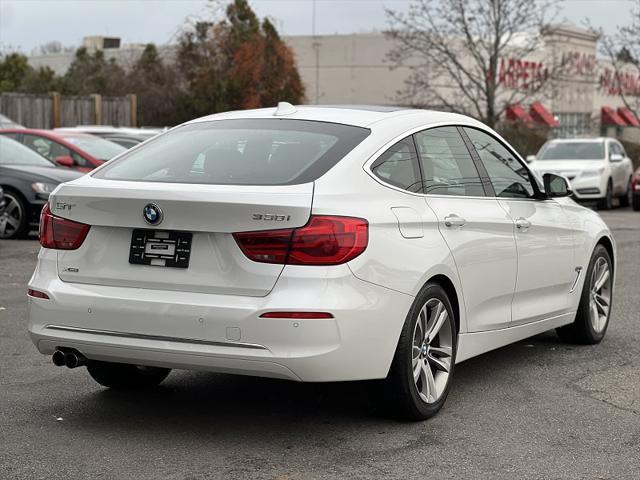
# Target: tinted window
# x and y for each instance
(615, 148)
(398, 166)
(509, 177)
(40, 145)
(51, 149)
(239, 152)
(571, 151)
(96, 147)
(13, 153)
(447, 166)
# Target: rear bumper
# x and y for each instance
(224, 333)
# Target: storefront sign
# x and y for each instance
(521, 74)
(615, 83)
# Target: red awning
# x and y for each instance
(516, 113)
(608, 116)
(542, 115)
(628, 117)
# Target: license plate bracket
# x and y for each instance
(160, 248)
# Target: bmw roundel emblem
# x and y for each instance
(152, 214)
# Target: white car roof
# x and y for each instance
(357, 115)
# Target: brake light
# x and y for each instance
(59, 233)
(324, 240)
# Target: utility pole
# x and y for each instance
(316, 47)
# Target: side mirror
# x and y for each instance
(556, 186)
(64, 161)
(530, 158)
(616, 157)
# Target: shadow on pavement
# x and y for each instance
(198, 401)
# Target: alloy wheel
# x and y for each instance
(11, 219)
(600, 294)
(432, 350)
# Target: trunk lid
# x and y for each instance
(211, 213)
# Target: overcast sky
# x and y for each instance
(25, 24)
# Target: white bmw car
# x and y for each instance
(315, 244)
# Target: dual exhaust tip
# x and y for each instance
(68, 358)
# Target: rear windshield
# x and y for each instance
(239, 152)
(572, 151)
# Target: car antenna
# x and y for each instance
(285, 108)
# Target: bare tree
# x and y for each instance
(623, 50)
(473, 56)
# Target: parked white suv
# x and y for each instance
(598, 168)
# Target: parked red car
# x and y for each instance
(635, 189)
(79, 151)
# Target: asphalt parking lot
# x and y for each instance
(536, 409)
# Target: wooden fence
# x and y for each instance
(55, 110)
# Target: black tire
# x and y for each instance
(606, 203)
(123, 376)
(17, 211)
(401, 389)
(582, 331)
(625, 200)
(636, 202)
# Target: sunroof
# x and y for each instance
(371, 108)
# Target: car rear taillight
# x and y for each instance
(324, 240)
(59, 233)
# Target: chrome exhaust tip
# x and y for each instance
(58, 358)
(74, 359)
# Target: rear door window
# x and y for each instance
(447, 166)
(239, 152)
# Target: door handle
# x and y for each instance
(523, 224)
(454, 220)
